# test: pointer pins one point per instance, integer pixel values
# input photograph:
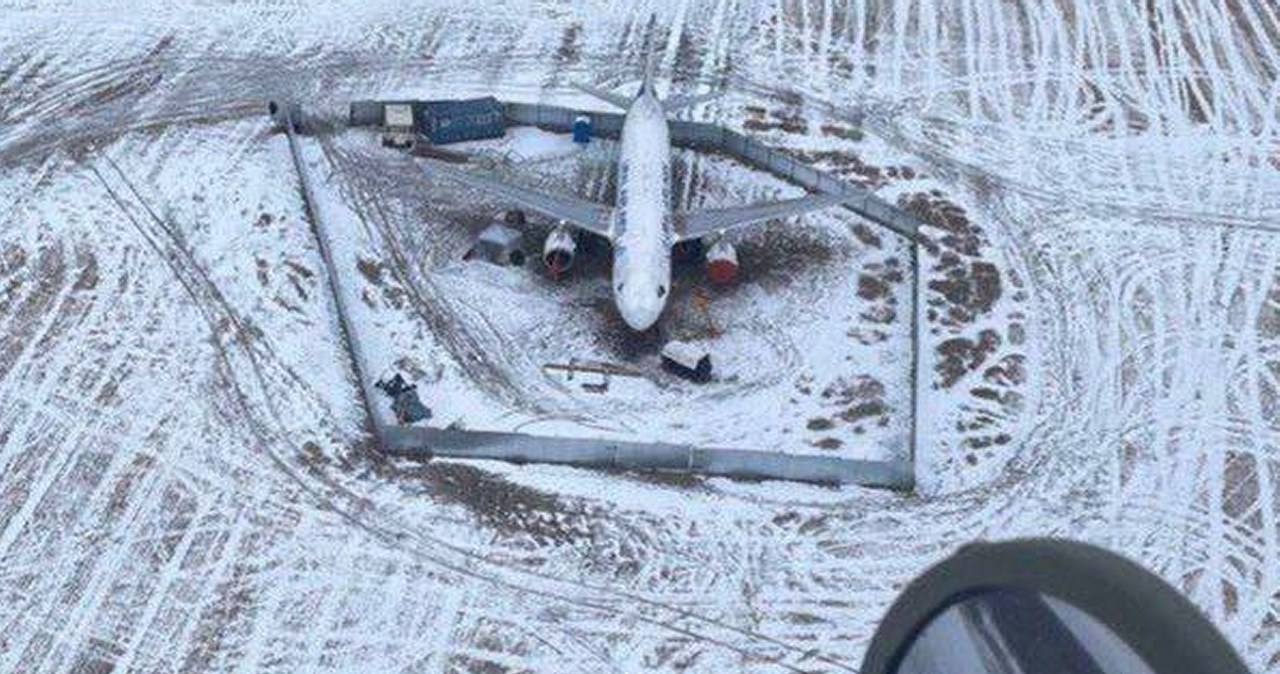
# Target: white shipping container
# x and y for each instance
(399, 115)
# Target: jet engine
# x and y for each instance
(722, 263)
(559, 250)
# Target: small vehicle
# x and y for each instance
(405, 402)
(687, 360)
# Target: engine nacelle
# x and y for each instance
(559, 250)
(689, 250)
(722, 263)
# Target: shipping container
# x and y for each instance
(455, 121)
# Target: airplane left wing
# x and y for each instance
(588, 215)
(697, 224)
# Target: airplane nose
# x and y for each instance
(639, 313)
(639, 320)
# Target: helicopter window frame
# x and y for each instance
(1152, 618)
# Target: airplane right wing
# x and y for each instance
(697, 224)
(588, 215)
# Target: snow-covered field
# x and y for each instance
(185, 475)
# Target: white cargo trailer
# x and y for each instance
(398, 130)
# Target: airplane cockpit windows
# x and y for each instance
(662, 291)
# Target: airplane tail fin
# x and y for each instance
(646, 84)
(650, 57)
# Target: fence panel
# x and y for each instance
(365, 113)
(414, 441)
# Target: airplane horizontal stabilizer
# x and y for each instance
(609, 97)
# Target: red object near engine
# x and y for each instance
(722, 263)
(722, 272)
(558, 251)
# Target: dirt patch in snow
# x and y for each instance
(775, 256)
(12, 259)
(46, 275)
(87, 277)
(371, 270)
(965, 287)
(760, 120)
(969, 285)
(570, 50)
(959, 356)
(376, 274)
(505, 506)
(846, 165)
(876, 285)
(975, 348)
(855, 401)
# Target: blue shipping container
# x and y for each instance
(455, 121)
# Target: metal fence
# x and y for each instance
(418, 442)
(367, 113)
(289, 117)
(552, 118)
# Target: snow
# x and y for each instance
(526, 145)
(185, 481)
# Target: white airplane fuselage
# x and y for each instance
(642, 225)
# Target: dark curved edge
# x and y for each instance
(1158, 622)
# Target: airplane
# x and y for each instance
(641, 226)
